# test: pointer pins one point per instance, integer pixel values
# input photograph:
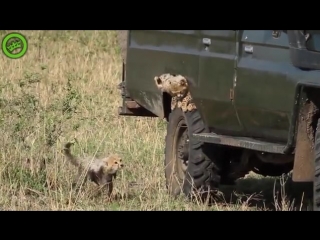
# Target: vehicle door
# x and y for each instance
(263, 94)
(215, 86)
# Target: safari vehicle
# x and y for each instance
(256, 102)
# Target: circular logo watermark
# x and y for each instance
(14, 45)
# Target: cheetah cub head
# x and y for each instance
(112, 164)
(173, 85)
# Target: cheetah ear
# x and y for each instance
(183, 82)
(158, 82)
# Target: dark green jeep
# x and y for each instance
(235, 101)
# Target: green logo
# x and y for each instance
(14, 45)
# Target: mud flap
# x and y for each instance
(303, 169)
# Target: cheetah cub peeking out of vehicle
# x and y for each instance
(176, 86)
(101, 171)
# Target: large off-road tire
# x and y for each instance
(316, 183)
(122, 41)
(189, 164)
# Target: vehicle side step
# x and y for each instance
(132, 108)
(241, 142)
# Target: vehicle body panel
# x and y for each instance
(152, 53)
(263, 94)
(266, 85)
(216, 73)
(265, 82)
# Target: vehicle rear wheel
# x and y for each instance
(176, 152)
(316, 183)
(190, 164)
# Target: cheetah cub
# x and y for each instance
(101, 171)
(176, 86)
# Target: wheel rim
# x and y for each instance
(181, 153)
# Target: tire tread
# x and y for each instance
(316, 184)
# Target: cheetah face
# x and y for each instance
(113, 163)
(174, 85)
(178, 88)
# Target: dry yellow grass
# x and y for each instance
(65, 87)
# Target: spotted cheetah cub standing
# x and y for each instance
(101, 171)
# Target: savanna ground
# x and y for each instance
(65, 88)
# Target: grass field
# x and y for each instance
(65, 88)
